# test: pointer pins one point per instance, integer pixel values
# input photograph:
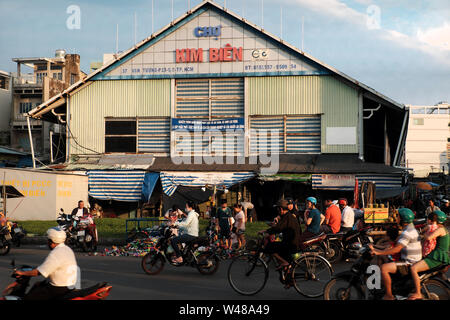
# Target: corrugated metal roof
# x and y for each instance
(6, 150)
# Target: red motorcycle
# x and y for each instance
(18, 289)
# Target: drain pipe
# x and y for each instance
(31, 140)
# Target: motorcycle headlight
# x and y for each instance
(356, 246)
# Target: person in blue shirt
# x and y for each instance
(313, 220)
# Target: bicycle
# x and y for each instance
(308, 272)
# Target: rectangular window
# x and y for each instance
(418, 122)
(4, 83)
(154, 135)
(120, 135)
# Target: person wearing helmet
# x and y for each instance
(446, 207)
(438, 257)
(409, 246)
(348, 215)
(289, 226)
(60, 268)
(313, 220)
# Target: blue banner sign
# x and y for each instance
(207, 31)
(204, 125)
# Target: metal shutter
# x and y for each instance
(192, 98)
(303, 134)
(261, 134)
(154, 135)
(227, 97)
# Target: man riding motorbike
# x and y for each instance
(289, 226)
(333, 217)
(188, 228)
(79, 211)
(408, 244)
(313, 220)
(60, 268)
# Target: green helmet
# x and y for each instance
(441, 217)
(406, 215)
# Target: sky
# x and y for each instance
(401, 48)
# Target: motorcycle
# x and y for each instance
(17, 234)
(344, 245)
(196, 253)
(352, 284)
(79, 235)
(5, 240)
(64, 220)
(18, 289)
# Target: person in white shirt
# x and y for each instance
(79, 211)
(348, 215)
(239, 225)
(60, 268)
(188, 228)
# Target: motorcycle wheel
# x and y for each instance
(5, 246)
(152, 263)
(207, 263)
(433, 289)
(340, 289)
(334, 253)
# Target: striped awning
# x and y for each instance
(171, 180)
(346, 182)
(119, 185)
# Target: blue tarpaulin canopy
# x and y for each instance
(150, 180)
(171, 180)
(119, 185)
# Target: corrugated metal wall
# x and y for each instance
(307, 95)
(114, 98)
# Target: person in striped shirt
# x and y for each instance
(410, 249)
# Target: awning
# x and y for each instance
(171, 180)
(116, 185)
(11, 192)
(390, 192)
(346, 182)
(286, 176)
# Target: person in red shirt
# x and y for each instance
(332, 223)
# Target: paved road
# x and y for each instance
(130, 282)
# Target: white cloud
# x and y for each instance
(437, 37)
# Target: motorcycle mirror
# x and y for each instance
(62, 210)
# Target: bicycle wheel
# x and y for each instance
(247, 274)
(310, 275)
(334, 253)
(152, 263)
(340, 289)
(435, 290)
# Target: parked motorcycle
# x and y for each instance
(352, 284)
(17, 234)
(195, 253)
(18, 289)
(79, 234)
(5, 240)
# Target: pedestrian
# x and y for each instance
(224, 217)
(239, 225)
(249, 210)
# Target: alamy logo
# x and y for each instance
(374, 280)
(74, 20)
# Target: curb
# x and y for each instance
(41, 240)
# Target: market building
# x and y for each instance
(271, 119)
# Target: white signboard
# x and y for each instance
(338, 180)
(341, 135)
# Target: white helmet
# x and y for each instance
(56, 235)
